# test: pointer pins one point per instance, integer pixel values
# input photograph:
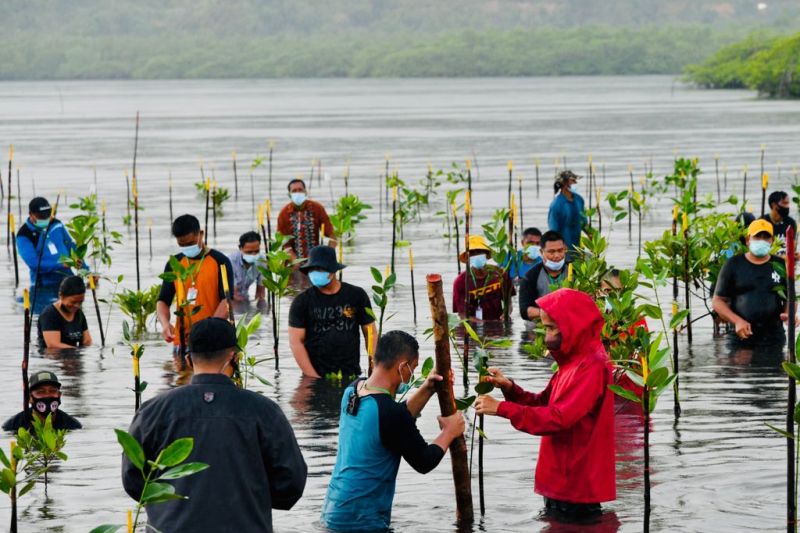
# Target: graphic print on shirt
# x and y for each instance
(303, 231)
(337, 318)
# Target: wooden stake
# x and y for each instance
(394, 223)
(235, 178)
(26, 349)
(150, 236)
(716, 173)
(675, 348)
(536, 163)
(764, 185)
(136, 229)
(447, 405)
(93, 288)
(137, 383)
(14, 249)
(271, 147)
(686, 278)
(411, 271)
(454, 210)
(8, 217)
(791, 497)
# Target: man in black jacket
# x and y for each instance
(45, 399)
(552, 271)
(255, 464)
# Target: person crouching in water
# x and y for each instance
(574, 414)
(375, 431)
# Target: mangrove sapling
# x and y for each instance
(503, 250)
(168, 465)
(18, 470)
(347, 215)
(655, 379)
(42, 445)
(184, 309)
(380, 295)
(247, 364)
(235, 177)
(276, 273)
(137, 350)
(139, 306)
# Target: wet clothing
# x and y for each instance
(304, 224)
(333, 327)
(255, 462)
(24, 419)
(536, 284)
(568, 218)
(575, 412)
(71, 331)
(205, 290)
(486, 293)
(51, 270)
(750, 289)
(244, 274)
(371, 442)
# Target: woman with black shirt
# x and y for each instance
(62, 324)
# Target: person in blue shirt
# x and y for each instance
(375, 431)
(528, 257)
(566, 215)
(48, 272)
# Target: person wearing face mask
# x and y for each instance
(745, 294)
(488, 284)
(542, 277)
(245, 263)
(327, 320)
(302, 219)
(43, 256)
(574, 414)
(204, 291)
(375, 431)
(566, 214)
(530, 255)
(45, 399)
(779, 217)
(62, 324)
(255, 461)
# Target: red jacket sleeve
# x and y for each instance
(522, 397)
(575, 400)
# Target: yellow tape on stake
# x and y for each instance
(268, 206)
(411, 259)
(26, 299)
(510, 165)
(467, 203)
(260, 215)
(135, 361)
(91, 282)
(765, 181)
(675, 213)
(224, 271)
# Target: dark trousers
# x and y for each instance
(572, 511)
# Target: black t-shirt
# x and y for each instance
(71, 332)
(332, 323)
(780, 228)
(751, 291)
(24, 419)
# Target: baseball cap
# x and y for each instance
(43, 378)
(211, 335)
(758, 226)
(40, 206)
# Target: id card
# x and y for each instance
(52, 247)
(191, 294)
(479, 313)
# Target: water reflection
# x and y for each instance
(316, 405)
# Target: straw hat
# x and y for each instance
(476, 242)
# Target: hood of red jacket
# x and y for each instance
(578, 319)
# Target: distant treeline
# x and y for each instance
(766, 63)
(517, 52)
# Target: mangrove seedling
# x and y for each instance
(43, 444)
(247, 364)
(18, 470)
(168, 465)
(137, 350)
(139, 306)
(380, 295)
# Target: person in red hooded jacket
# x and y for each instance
(575, 412)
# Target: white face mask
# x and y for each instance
(298, 198)
(575, 188)
(250, 259)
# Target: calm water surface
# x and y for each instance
(718, 469)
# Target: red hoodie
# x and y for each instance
(575, 412)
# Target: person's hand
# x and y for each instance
(785, 318)
(433, 377)
(452, 425)
(168, 333)
(743, 328)
(498, 379)
(486, 405)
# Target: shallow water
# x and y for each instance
(718, 469)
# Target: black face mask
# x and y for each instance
(783, 211)
(46, 405)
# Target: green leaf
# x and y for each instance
(107, 528)
(427, 366)
(156, 492)
(781, 431)
(678, 319)
(176, 452)
(131, 447)
(4, 459)
(481, 433)
(376, 275)
(624, 393)
(484, 387)
(27, 488)
(462, 404)
(471, 332)
(657, 377)
(183, 470)
(792, 369)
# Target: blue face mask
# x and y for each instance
(759, 248)
(319, 278)
(554, 265)
(298, 198)
(191, 251)
(250, 259)
(42, 223)
(405, 386)
(575, 188)
(533, 252)
(478, 261)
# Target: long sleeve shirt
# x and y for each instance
(51, 270)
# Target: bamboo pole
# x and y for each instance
(675, 296)
(791, 497)
(26, 348)
(454, 210)
(137, 382)
(135, 191)
(411, 271)
(763, 151)
(444, 389)
(235, 177)
(394, 223)
(319, 172)
(686, 278)
(2, 188)
(8, 217)
(11, 225)
(93, 288)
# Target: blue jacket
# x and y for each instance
(567, 218)
(59, 243)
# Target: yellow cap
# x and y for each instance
(759, 226)
(475, 242)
